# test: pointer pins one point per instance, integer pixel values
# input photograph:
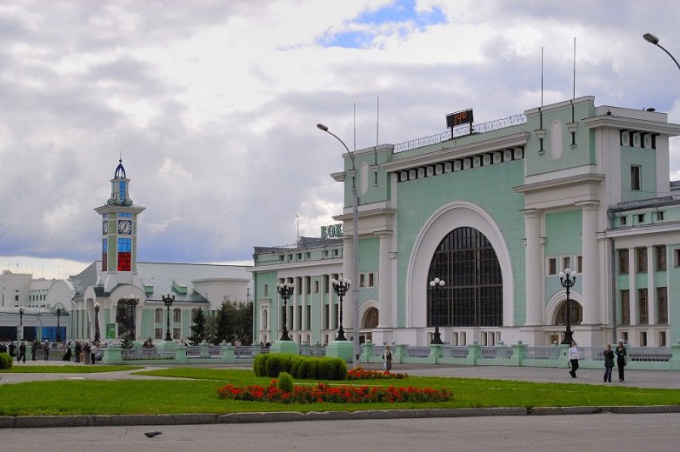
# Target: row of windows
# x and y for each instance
(640, 255)
(565, 262)
(160, 316)
(662, 340)
(308, 255)
(641, 218)
(643, 307)
(317, 285)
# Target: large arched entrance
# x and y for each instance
(448, 218)
(473, 292)
(125, 317)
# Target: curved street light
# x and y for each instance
(58, 325)
(285, 290)
(97, 335)
(650, 38)
(168, 299)
(21, 323)
(568, 279)
(355, 239)
(341, 287)
(437, 286)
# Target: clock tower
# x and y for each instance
(119, 234)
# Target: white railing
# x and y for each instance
(496, 352)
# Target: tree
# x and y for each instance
(234, 322)
(198, 321)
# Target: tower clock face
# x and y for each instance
(125, 227)
(105, 227)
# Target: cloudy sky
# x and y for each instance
(213, 105)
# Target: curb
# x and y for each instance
(294, 416)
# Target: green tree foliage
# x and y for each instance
(198, 327)
(234, 323)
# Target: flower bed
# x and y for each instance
(360, 373)
(322, 392)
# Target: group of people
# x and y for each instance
(619, 355)
(83, 352)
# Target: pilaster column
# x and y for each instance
(534, 268)
(384, 280)
(590, 276)
(651, 286)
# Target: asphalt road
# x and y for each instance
(597, 432)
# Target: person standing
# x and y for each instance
(46, 348)
(621, 359)
(387, 357)
(93, 353)
(608, 363)
(22, 353)
(86, 353)
(79, 351)
(34, 348)
(572, 355)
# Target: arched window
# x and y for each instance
(177, 315)
(575, 313)
(159, 315)
(473, 290)
(265, 319)
(371, 318)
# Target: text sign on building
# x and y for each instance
(459, 118)
(331, 231)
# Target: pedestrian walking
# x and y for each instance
(46, 348)
(387, 357)
(608, 363)
(22, 353)
(572, 355)
(621, 358)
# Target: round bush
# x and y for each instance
(285, 382)
(6, 361)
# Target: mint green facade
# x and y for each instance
(568, 186)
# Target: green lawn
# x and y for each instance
(196, 392)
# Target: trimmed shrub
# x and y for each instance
(300, 367)
(276, 364)
(285, 382)
(260, 365)
(6, 361)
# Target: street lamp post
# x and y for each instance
(168, 299)
(436, 285)
(97, 335)
(341, 287)
(58, 325)
(132, 303)
(355, 239)
(21, 322)
(654, 40)
(285, 289)
(568, 279)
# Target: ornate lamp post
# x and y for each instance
(21, 322)
(285, 290)
(568, 279)
(355, 240)
(97, 335)
(436, 286)
(132, 303)
(58, 325)
(168, 299)
(654, 40)
(341, 287)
